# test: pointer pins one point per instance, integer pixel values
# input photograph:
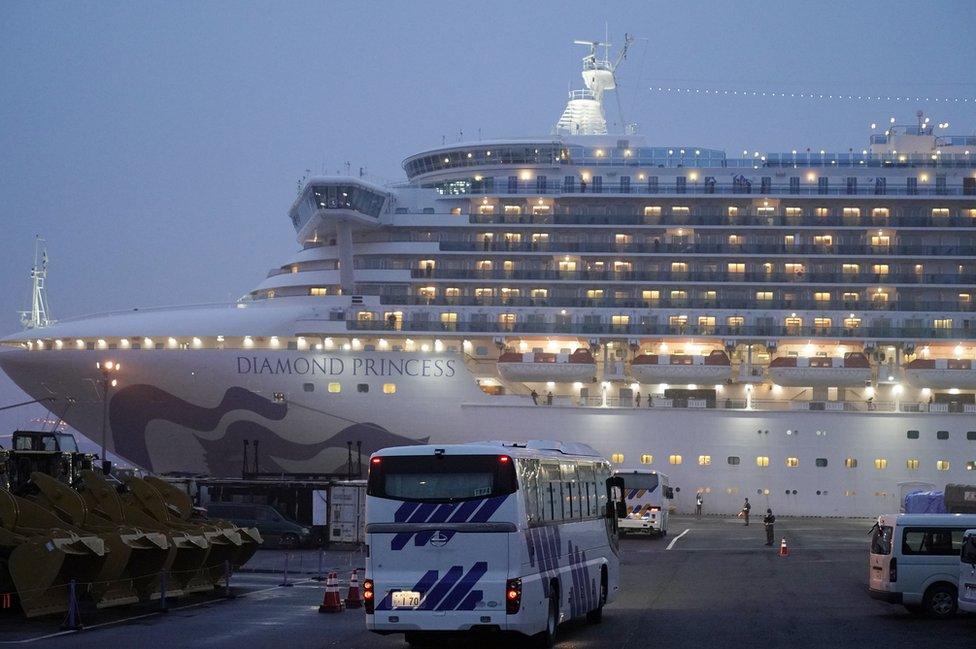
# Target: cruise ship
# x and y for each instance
(794, 328)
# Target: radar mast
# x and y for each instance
(38, 316)
(584, 111)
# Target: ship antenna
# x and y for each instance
(38, 316)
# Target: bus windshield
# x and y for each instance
(647, 481)
(433, 478)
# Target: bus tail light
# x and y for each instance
(893, 570)
(368, 599)
(513, 596)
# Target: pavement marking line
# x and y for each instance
(144, 615)
(675, 539)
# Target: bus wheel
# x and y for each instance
(596, 615)
(940, 601)
(547, 638)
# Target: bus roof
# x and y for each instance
(929, 519)
(527, 449)
(640, 472)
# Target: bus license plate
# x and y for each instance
(406, 599)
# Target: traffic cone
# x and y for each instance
(330, 601)
(783, 550)
(354, 599)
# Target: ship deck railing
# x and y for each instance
(722, 220)
(658, 402)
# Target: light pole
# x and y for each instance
(108, 368)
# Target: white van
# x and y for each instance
(967, 573)
(648, 496)
(915, 561)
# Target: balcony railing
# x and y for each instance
(655, 329)
(700, 248)
(659, 276)
(923, 306)
(666, 219)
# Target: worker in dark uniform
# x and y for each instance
(768, 521)
(746, 508)
(698, 504)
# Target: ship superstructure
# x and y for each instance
(794, 327)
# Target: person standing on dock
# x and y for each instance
(768, 521)
(535, 397)
(746, 508)
(698, 504)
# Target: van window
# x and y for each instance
(940, 541)
(881, 539)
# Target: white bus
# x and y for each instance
(490, 536)
(648, 496)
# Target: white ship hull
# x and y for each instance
(191, 410)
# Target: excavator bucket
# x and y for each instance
(134, 557)
(180, 505)
(43, 555)
(190, 570)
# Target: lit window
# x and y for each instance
(880, 240)
(680, 211)
(539, 293)
(793, 269)
(822, 212)
(942, 465)
(880, 212)
(364, 316)
(617, 458)
(850, 463)
(677, 320)
(513, 210)
(733, 210)
(940, 212)
(704, 460)
(674, 459)
(765, 211)
(942, 323)
(449, 318)
(452, 291)
(793, 323)
(706, 321)
(850, 269)
(594, 293)
(737, 267)
(652, 210)
(679, 267)
(455, 211)
(651, 295)
(822, 323)
(389, 388)
(679, 295)
(792, 462)
(736, 321)
(789, 240)
(823, 240)
(821, 296)
(335, 388)
(762, 461)
(764, 295)
(852, 212)
(911, 464)
(427, 292)
(852, 323)
(879, 269)
(881, 463)
(793, 211)
(622, 239)
(622, 266)
(620, 320)
(852, 297)
(735, 240)
(318, 291)
(507, 320)
(483, 264)
(646, 459)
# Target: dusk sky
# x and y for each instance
(157, 145)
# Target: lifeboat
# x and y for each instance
(941, 373)
(544, 366)
(852, 370)
(681, 368)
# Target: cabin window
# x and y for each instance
(911, 464)
(704, 460)
(308, 387)
(389, 388)
(942, 465)
(792, 462)
(335, 388)
(913, 434)
(850, 463)
(674, 459)
(762, 461)
(646, 458)
(881, 463)
(362, 387)
(821, 462)
(733, 460)
(617, 458)
(942, 434)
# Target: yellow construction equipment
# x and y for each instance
(41, 555)
(135, 556)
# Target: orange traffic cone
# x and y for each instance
(783, 550)
(353, 597)
(330, 601)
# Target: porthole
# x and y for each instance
(308, 387)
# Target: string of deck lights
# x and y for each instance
(809, 95)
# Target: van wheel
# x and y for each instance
(940, 601)
(596, 615)
(547, 639)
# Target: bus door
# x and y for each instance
(439, 529)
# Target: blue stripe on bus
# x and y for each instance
(471, 601)
(440, 589)
(463, 587)
(464, 511)
(439, 516)
(490, 507)
(404, 511)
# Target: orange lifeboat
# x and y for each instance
(681, 368)
(852, 370)
(941, 373)
(545, 366)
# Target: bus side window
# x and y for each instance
(552, 493)
(529, 477)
